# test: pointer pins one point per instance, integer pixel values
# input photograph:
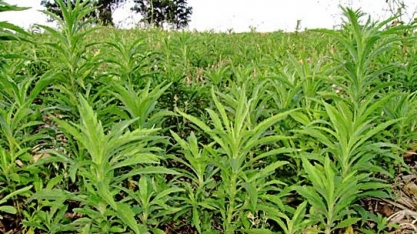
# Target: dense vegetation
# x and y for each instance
(147, 131)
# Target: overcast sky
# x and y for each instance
(239, 15)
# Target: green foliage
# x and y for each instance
(149, 131)
(69, 62)
(10, 32)
(104, 11)
(235, 152)
(175, 13)
(330, 195)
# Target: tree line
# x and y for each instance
(175, 13)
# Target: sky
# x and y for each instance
(239, 15)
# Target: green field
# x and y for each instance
(148, 131)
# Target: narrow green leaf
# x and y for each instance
(8, 209)
(347, 222)
(253, 195)
(14, 193)
(126, 214)
(104, 192)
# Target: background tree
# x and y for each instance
(175, 13)
(104, 11)
(404, 11)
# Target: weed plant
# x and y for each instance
(148, 131)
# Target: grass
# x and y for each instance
(147, 131)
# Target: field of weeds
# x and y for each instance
(148, 131)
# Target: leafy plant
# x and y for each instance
(11, 209)
(71, 66)
(237, 139)
(10, 32)
(126, 61)
(330, 195)
(198, 181)
(290, 225)
(151, 131)
(363, 44)
(141, 104)
(105, 155)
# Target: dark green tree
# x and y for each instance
(175, 13)
(103, 13)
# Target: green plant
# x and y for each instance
(331, 194)
(150, 131)
(71, 66)
(51, 214)
(363, 44)
(199, 182)
(382, 224)
(10, 32)
(153, 200)
(234, 151)
(8, 208)
(126, 62)
(102, 157)
(20, 119)
(141, 104)
(401, 107)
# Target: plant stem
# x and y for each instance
(229, 228)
